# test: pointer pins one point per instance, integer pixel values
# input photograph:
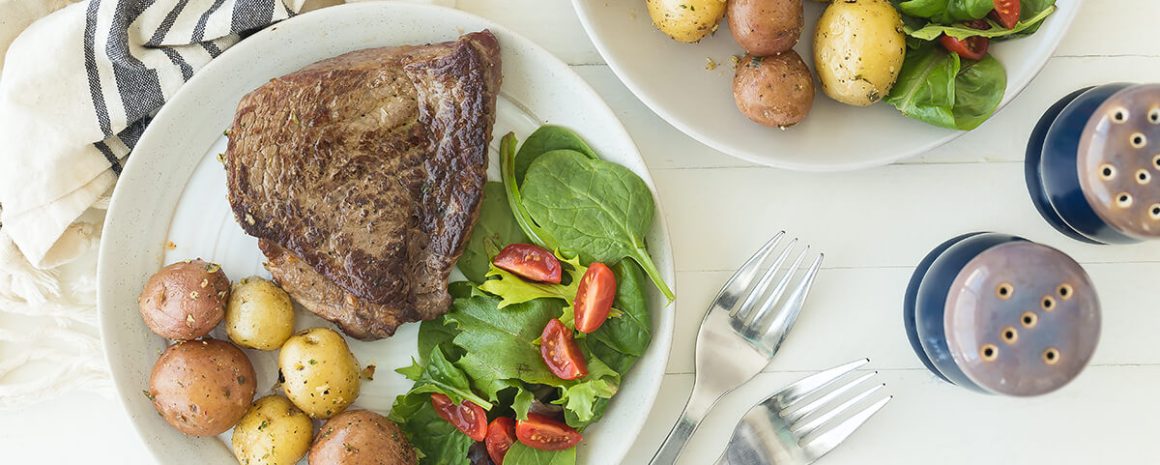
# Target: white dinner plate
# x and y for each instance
(170, 204)
(673, 80)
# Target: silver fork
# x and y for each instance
(744, 327)
(779, 431)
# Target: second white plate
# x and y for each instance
(673, 80)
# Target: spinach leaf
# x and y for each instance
(507, 162)
(960, 31)
(979, 89)
(935, 87)
(598, 209)
(500, 344)
(441, 376)
(1029, 9)
(439, 442)
(925, 89)
(437, 334)
(495, 229)
(947, 11)
(514, 290)
(546, 139)
(619, 342)
(520, 454)
(461, 289)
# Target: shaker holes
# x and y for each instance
(1048, 303)
(1154, 116)
(1107, 172)
(1005, 291)
(989, 352)
(1120, 115)
(1138, 140)
(1143, 177)
(1065, 291)
(1029, 319)
(1009, 335)
(1051, 356)
(1124, 200)
(1155, 212)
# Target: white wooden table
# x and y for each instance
(874, 227)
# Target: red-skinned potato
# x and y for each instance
(765, 27)
(185, 300)
(361, 437)
(776, 91)
(202, 388)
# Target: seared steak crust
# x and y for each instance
(368, 169)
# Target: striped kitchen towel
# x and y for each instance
(78, 88)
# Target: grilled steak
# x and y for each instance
(362, 176)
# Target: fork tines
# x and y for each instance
(766, 303)
(838, 403)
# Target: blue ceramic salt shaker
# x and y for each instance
(999, 314)
(1092, 163)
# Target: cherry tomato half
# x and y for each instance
(541, 432)
(530, 262)
(501, 433)
(560, 352)
(971, 48)
(594, 297)
(468, 417)
(1007, 12)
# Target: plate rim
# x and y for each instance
(662, 340)
(657, 108)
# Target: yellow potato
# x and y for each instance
(273, 432)
(686, 20)
(320, 372)
(858, 50)
(259, 314)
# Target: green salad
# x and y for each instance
(948, 77)
(553, 314)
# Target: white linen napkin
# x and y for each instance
(77, 89)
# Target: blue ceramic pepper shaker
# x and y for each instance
(999, 314)
(1092, 163)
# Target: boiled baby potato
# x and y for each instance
(361, 437)
(765, 27)
(273, 432)
(776, 91)
(858, 50)
(320, 372)
(185, 300)
(686, 20)
(259, 314)
(203, 387)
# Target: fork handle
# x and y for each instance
(695, 410)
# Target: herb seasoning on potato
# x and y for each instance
(185, 300)
(273, 432)
(259, 314)
(322, 375)
(776, 91)
(362, 437)
(766, 27)
(686, 20)
(858, 50)
(203, 387)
